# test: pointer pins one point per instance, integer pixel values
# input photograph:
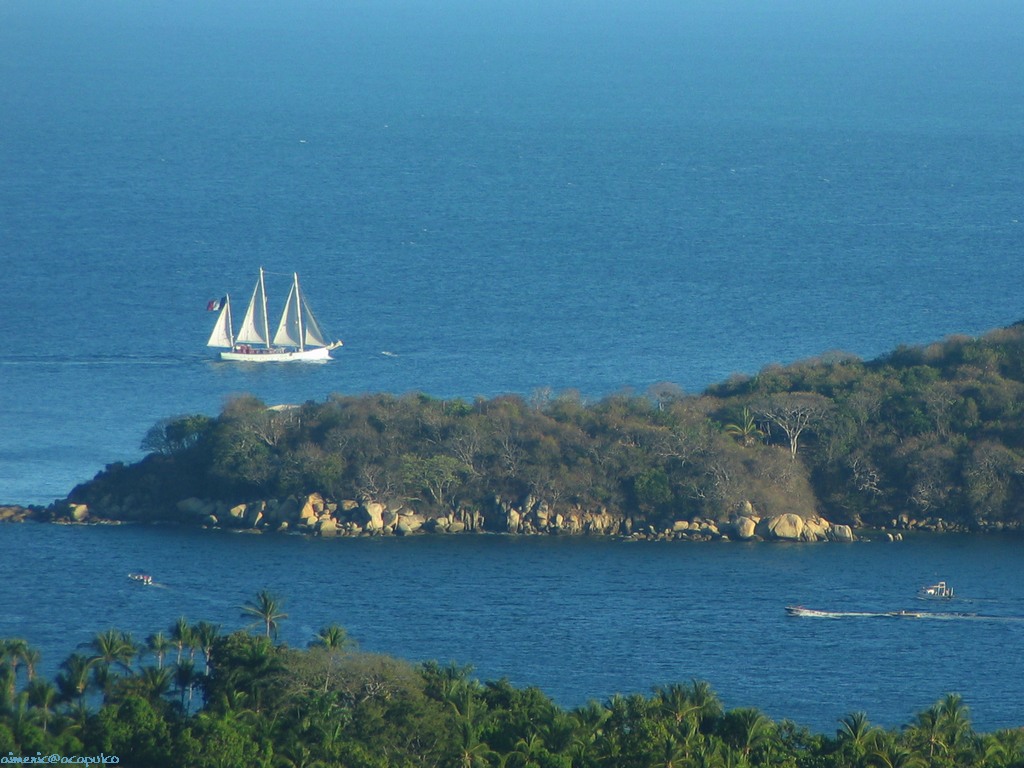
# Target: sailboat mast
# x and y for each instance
(266, 322)
(298, 311)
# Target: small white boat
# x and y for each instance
(298, 337)
(141, 578)
(938, 590)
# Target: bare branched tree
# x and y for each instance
(794, 412)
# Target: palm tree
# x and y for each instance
(670, 753)
(857, 734)
(695, 702)
(267, 610)
(473, 751)
(334, 638)
(708, 753)
(153, 683)
(927, 729)
(181, 635)
(449, 683)
(558, 731)
(526, 753)
(13, 651)
(19, 719)
(73, 680)
(889, 753)
(745, 429)
(674, 700)
(43, 697)
(954, 718)
(185, 680)
(114, 647)
(588, 730)
(158, 644)
(76, 718)
(1003, 749)
(31, 657)
(590, 720)
(749, 729)
(8, 680)
(707, 705)
(296, 755)
(253, 668)
(205, 634)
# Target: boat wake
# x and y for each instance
(797, 610)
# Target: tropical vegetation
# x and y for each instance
(932, 433)
(193, 695)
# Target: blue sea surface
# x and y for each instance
(579, 618)
(484, 198)
(503, 197)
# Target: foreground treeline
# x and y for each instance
(197, 697)
(931, 434)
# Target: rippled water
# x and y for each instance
(579, 618)
(502, 197)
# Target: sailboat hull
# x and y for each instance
(319, 354)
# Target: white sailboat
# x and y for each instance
(298, 336)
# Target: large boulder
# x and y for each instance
(237, 512)
(312, 509)
(708, 528)
(841, 533)
(513, 520)
(309, 514)
(254, 514)
(818, 527)
(744, 528)
(327, 527)
(409, 522)
(370, 516)
(14, 514)
(784, 527)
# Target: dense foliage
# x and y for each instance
(930, 433)
(194, 696)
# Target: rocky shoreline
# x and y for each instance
(314, 515)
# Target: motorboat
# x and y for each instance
(937, 590)
(141, 578)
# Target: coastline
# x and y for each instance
(315, 517)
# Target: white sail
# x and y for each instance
(221, 335)
(298, 328)
(298, 335)
(314, 336)
(289, 330)
(255, 328)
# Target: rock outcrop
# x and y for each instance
(15, 514)
(316, 515)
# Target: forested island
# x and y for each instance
(927, 437)
(193, 695)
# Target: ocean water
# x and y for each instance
(505, 197)
(485, 198)
(581, 619)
